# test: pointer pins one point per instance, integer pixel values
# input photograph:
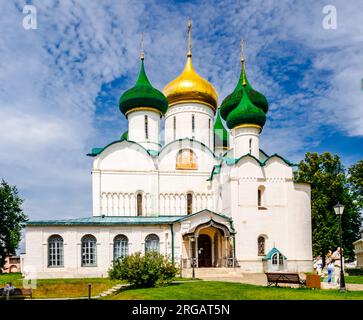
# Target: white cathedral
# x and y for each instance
(208, 197)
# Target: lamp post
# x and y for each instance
(339, 208)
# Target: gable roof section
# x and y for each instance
(233, 161)
(216, 170)
(96, 151)
(269, 255)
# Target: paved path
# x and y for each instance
(259, 279)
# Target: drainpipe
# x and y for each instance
(234, 245)
(172, 242)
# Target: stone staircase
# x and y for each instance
(112, 290)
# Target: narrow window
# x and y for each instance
(88, 251)
(189, 203)
(174, 127)
(250, 146)
(120, 247)
(193, 123)
(259, 195)
(274, 258)
(261, 246)
(139, 204)
(146, 127)
(152, 243)
(261, 201)
(55, 251)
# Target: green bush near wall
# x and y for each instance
(355, 272)
(149, 270)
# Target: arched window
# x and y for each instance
(260, 196)
(120, 246)
(55, 251)
(261, 245)
(193, 123)
(146, 119)
(189, 203)
(277, 258)
(139, 204)
(152, 243)
(250, 146)
(89, 251)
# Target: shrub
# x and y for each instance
(355, 272)
(149, 270)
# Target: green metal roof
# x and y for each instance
(96, 151)
(120, 220)
(107, 220)
(232, 161)
(216, 170)
(269, 255)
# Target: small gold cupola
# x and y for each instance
(190, 86)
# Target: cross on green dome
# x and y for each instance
(246, 112)
(232, 100)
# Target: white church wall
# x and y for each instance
(36, 257)
(299, 227)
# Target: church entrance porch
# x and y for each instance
(208, 245)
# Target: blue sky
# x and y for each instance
(60, 83)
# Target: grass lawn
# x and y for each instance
(215, 290)
(354, 279)
(348, 279)
(61, 288)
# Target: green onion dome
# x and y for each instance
(232, 100)
(246, 112)
(143, 95)
(220, 133)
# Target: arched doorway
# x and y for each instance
(204, 251)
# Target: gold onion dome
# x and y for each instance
(190, 86)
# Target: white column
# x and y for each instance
(183, 113)
(137, 132)
(246, 139)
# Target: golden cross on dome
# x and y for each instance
(243, 62)
(142, 55)
(189, 44)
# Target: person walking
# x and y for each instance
(329, 266)
(337, 265)
(318, 265)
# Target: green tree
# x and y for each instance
(329, 185)
(356, 181)
(12, 220)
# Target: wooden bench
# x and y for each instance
(281, 277)
(18, 293)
